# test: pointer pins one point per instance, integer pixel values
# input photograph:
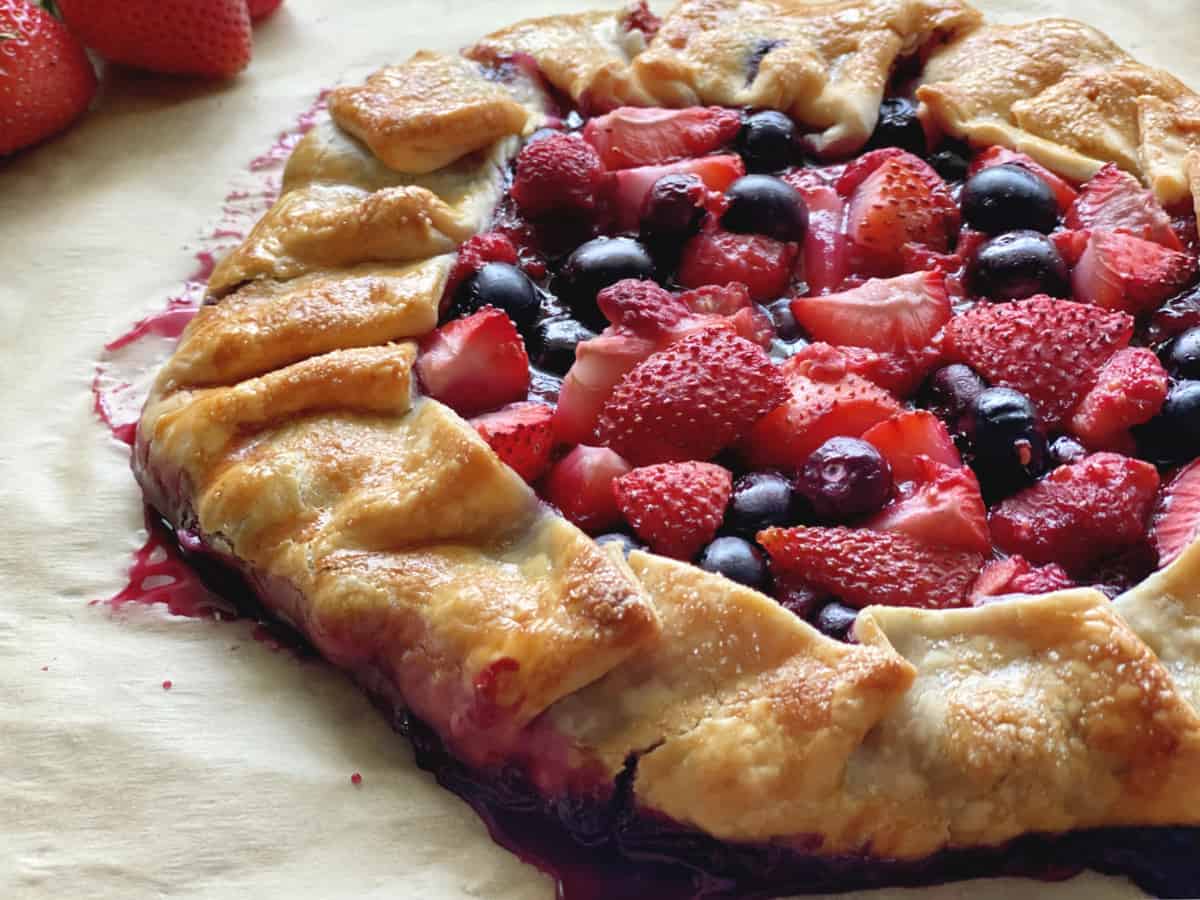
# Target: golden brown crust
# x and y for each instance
(1068, 96)
(425, 114)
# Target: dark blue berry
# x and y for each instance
(503, 286)
(624, 541)
(950, 164)
(1065, 450)
(950, 392)
(760, 500)
(674, 208)
(554, 342)
(595, 265)
(844, 478)
(1017, 265)
(764, 204)
(898, 126)
(786, 327)
(1173, 435)
(767, 141)
(1007, 443)
(802, 600)
(1182, 355)
(837, 620)
(1007, 198)
(737, 559)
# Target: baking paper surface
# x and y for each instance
(236, 781)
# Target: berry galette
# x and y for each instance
(759, 443)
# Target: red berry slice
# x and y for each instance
(1014, 575)
(862, 567)
(905, 438)
(1176, 520)
(1120, 271)
(944, 509)
(643, 307)
(633, 136)
(1114, 200)
(475, 364)
(521, 435)
(761, 263)
(580, 485)
(825, 252)
(1079, 513)
(676, 508)
(1130, 390)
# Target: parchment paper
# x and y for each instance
(236, 782)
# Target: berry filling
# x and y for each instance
(931, 375)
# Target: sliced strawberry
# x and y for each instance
(859, 168)
(1014, 575)
(824, 253)
(945, 509)
(904, 200)
(676, 508)
(1130, 390)
(717, 299)
(559, 173)
(900, 374)
(999, 156)
(908, 436)
(761, 263)
(1048, 349)
(599, 365)
(641, 306)
(754, 325)
(633, 136)
(580, 485)
(691, 400)
(1116, 201)
(521, 435)
(1120, 271)
(1079, 513)
(1070, 245)
(475, 364)
(630, 186)
(893, 315)
(862, 567)
(827, 400)
(474, 253)
(1176, 520)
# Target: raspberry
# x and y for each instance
(559, 173)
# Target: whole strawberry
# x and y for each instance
(210, 38)
(46, 80)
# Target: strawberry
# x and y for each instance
(945, 509)
(1116, 201)
(893, 315)
(827, 400)
(520, 434)
(641, 306)
(1048, 349)
(632, 136)
(676, 508)
(1070, 245)
(824, 253)
(599, 365)
(474, 364)
(999, 156)
(1130, 390)
(260, 9)
(862, 567)
(856, 171)
(1176, 519)
(580, 485)
(1014, 575)
(691, 400)
(1120, 271)
(46, 80)
(717, 299)
(906, 438)
(755, 325)
(558, 173)
(210, 38)
(761, 263)
(898, 373)
(1079, 513)
(901, 201)
(630, 187)
(473, 254)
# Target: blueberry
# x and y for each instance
(1182, 355)
(803, 600)
(898, 126)
(554, 342)
(786, 327)
(1175, 316)
(595, 265)
(950, 392)
(1017, 265)
(1008, 445)
(767, 141)
(1006, 198)
(737, 559)
(950, 164)
(503, 286)
(837, 620)
(624, 541)
(760, 500)
(1174, 434)
(1065, 450)
(845, 477)
(764, 204)
(674, 208)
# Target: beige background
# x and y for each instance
(235, 781)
